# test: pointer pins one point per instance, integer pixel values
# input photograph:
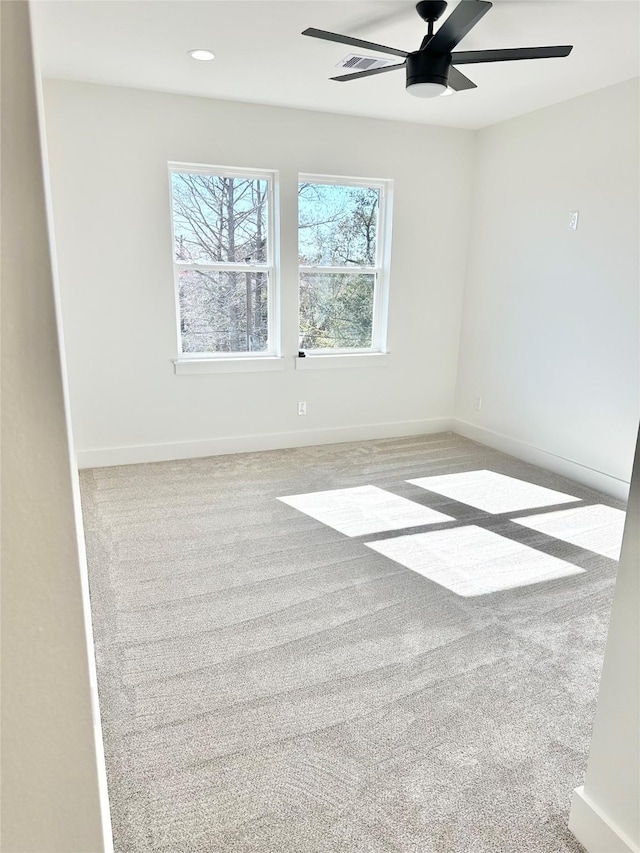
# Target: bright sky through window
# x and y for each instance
(338, 225)
(340, 265)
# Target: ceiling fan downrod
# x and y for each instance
(423, 68)
(430, 11)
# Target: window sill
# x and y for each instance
(323, 362)
(227, 365)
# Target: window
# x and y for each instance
(224, 261)
(225, 255)
(342, 246)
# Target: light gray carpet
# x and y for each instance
(270, 685)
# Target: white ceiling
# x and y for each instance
(262, 58)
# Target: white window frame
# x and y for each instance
(380, 271)
(231, 360)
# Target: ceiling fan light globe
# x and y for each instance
(427, 90)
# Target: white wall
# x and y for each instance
(50, 789)
(550, 329)
(605, 812)
(109, 149)
(550, 321)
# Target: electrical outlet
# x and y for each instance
(477, 403)
(302, 408)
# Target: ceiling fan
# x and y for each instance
(431, 69)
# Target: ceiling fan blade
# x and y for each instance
(465, 16)
(356, 74)
(458, 81)
(367, 45)
(467, 57)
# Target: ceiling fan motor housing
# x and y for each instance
(431, 10)
(425, 67)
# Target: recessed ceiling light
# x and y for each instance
(203, 55)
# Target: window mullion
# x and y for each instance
(223, 267)
(338, 270)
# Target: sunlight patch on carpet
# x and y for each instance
(472, 561)
(363, 510)
(597, 528)
(492, 492)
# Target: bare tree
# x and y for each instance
(338, 228)
(220, 219)
(223, 220)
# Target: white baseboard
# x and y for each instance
(606, 483)
(106, 456)
(131, 455)
(594, 830)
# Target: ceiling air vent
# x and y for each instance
(364, 63)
